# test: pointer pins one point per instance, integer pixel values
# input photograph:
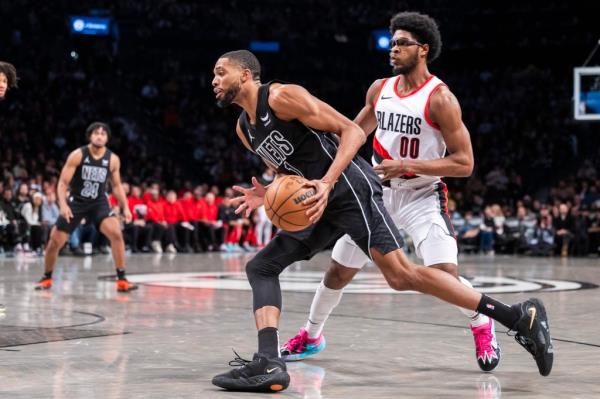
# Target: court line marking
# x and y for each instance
(570, 341)
(99, 319)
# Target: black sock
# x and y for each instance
(507, 315)
(120, 274)
(48, 274)
(268, 342)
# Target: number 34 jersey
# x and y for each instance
(89, 181)
(404, 127)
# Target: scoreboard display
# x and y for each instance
(586, 93)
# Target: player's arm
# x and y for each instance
(118, 192)
(366, 118)
(444, 110)
(295, 102)
(66, 175)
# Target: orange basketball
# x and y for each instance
(283, 202)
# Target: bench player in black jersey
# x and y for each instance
(285, 125)
(85, 174)
(8, 80)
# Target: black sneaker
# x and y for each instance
(262, 374)
(532, 332)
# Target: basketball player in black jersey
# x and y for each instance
(85, 174)
(8, 80)
(285, 125)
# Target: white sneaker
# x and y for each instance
(156, 247)
(171, 249)
(187, 225)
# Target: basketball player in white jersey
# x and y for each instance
(416, 118)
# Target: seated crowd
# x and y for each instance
(163, 220)
(202, 219)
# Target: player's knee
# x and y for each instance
(404, 279)
(115, 237)
(449, 268)
(338, 276)
(55, 242)
(400, 283)
(52, 243)
(259, 268)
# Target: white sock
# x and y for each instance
(475, 318)
(323, 303)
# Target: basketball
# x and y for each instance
(283, 203)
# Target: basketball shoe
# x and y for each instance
(532, 332)
(45, 283)
(487, 349)
(301, 347)
(125, 286)
(261, 374)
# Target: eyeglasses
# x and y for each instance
(403, 42)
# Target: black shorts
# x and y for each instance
(93, 212)
(355, 208)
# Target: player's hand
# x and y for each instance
(65, 212)
(250, 199)
(317, 202)
(127, 215)
(388, 169)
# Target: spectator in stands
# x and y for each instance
(193, 205)
(564, 226)
(31, 212)
(8, 222)
(580, 240)
(500, 237)
(174, 216)
(232, 225)
(487, 230)
(187, 234)
(155, 219)
(541, 240)
(137, 228)
(594, 229)
(50, 213)
(210, 225)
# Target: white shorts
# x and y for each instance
(423, 214)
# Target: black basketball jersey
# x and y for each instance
(289, 147)
(89, 180)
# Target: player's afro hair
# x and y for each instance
(422, 27)
(9, 70)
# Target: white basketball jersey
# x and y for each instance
(404, 128)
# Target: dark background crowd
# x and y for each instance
(535, 189)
